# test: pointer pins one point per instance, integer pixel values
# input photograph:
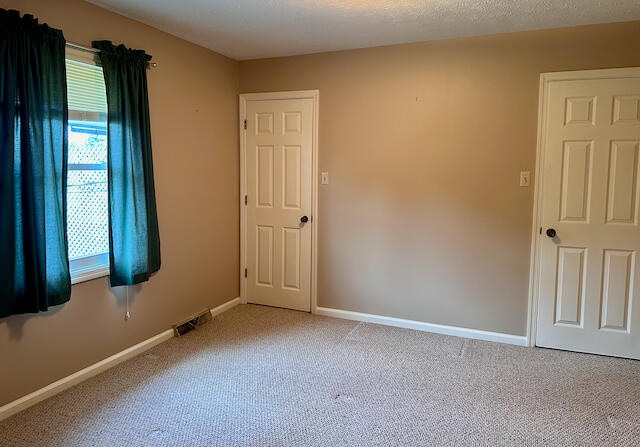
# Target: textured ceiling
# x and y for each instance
(250, 29)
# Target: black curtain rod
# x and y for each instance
(96, 51)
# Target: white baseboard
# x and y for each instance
(67, 382)
(519, 340)
(225, 306)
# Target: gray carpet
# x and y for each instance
(258, 376)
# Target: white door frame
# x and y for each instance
(536, 238)
(300, 94)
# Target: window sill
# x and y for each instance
(91, 267)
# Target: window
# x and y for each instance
(87, 184)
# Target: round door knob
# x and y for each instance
(304, 219)
(551, 232)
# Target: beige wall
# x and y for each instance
(193, 101)
(424, 218)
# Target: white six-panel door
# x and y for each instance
(278, 145)
(589, 280)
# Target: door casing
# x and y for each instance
(314, 95)
(536, 237)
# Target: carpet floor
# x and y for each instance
(259, 376)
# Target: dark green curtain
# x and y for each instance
(134, 242)
(34, 264)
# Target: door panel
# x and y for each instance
(623, 167)
(265, 174)
(279, 140)
(291, 258)
(589, 280)
(616, 289)
(264, 255)
(570, 292)
(292, 177)
(576, 181)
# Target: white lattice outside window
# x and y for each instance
(87, 209)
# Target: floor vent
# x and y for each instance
(192, 323)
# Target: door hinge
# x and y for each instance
(540, 230)
(246, 200)
(245, 124)
(245, 273)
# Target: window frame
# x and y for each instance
(94, 266)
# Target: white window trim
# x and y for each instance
(86, 56)
(89, 267)
(96, 266)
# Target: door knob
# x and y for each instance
(304, 219)
(551, 232)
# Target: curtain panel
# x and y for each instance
(34, 264)
(134, 241)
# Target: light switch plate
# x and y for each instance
(525, 178)
(324, 178)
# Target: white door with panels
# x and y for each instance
(589, 241)
(278, 151)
